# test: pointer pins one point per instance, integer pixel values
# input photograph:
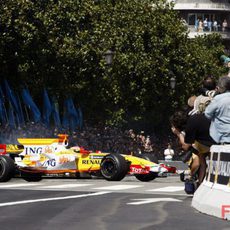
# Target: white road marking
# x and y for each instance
(119, 187)
(64, 186)
(152, 200)
(52, 199)
(167, 189)
(17, 185)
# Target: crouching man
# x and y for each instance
(193, 132)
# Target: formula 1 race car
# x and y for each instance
(36, 157)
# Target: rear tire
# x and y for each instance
(152, 175)
(31, 177)
(7, 168)
(114, 167)
(83, 175)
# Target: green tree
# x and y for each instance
(61, 44)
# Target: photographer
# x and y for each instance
(196, 137)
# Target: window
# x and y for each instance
(191, 19)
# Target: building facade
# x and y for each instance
(206, 16)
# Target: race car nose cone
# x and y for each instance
(158, 169)
(162, 170)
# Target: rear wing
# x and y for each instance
(35, 145)
(61, 140)
(13, 149)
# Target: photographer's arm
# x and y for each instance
(211, 109)
(180, 136)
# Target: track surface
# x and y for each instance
(99, 204)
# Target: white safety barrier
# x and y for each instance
(213, 195)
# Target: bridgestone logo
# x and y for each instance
(96, 157)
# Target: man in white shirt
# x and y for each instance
(169, 152)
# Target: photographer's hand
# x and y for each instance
(175, 130)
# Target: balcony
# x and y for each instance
(194, 33)
(223, 5)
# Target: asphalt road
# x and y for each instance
(98, 204)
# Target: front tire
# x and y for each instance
(7, 168)
(114, 167)
(152, 175)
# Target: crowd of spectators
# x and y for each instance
(207, 25)
(111, 139)
(95, 138)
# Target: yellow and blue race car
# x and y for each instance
(36, 157)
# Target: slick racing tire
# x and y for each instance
(7, 168)
(31, 177)
(152, 175)
(114, 167)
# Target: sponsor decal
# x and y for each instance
(95, 157)
(33, 150)
(50, 162)
(64, 159)
(91, 161)
(225, 212)
(48, 149)
(38, 150)
(137, 169)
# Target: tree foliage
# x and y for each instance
(61, 44)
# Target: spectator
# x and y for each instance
(209, 87)
(148, 145)
(196, 24)
(200, 28)
(209, 25)
(215, 25)
(205, 24)
(224, 25)
(201, 101)
(218, 112)
(191, 102)
(209, 83)
(168, 153)
(196, 136)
